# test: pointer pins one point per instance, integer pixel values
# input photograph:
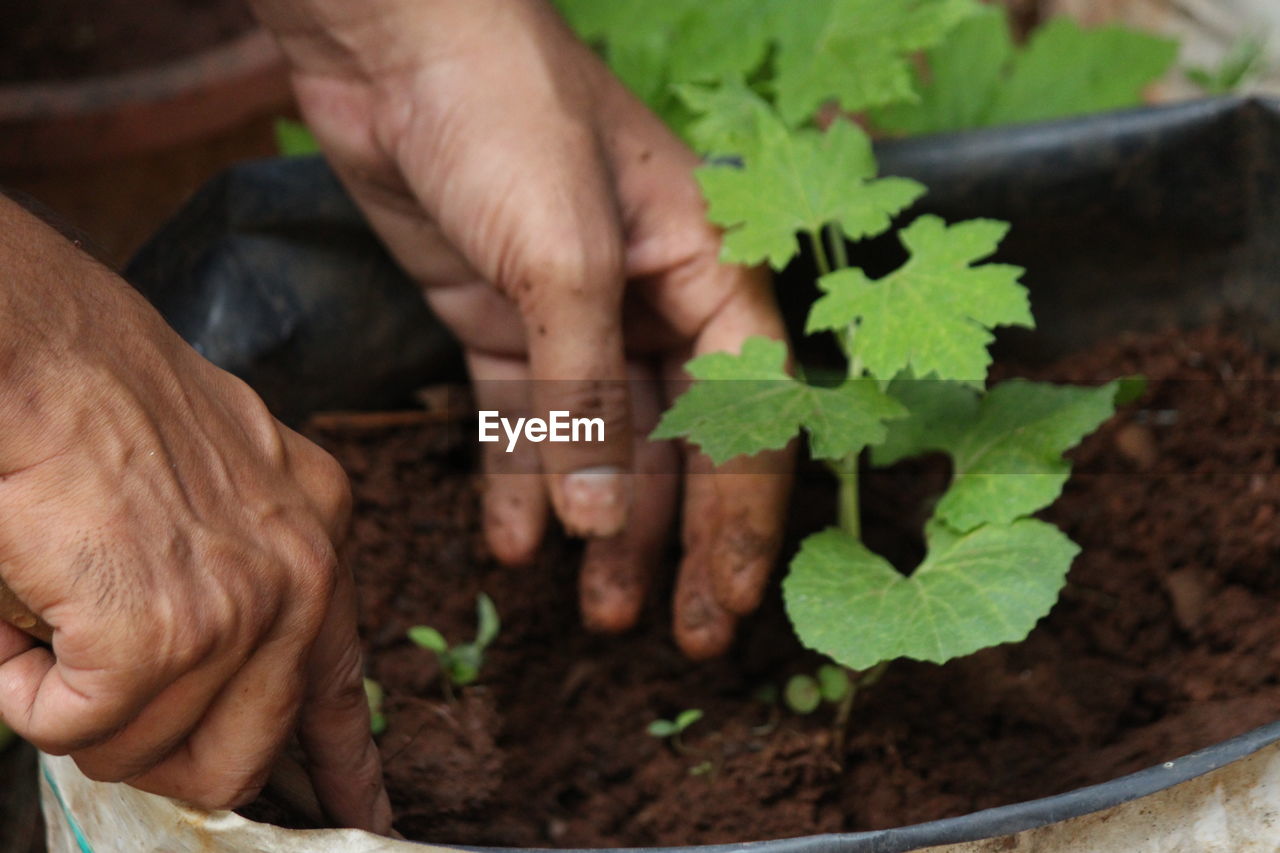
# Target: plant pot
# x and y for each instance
(1189, 198)
(102, 118)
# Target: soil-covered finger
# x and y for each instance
(617, 570)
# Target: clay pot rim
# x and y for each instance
(244, 55)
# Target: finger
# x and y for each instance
(521, 185)
(159, 729)
(228, 756)
(703, 628)
(226, 760)
(342, 758)
(748, 495)
(13, 643)
(323, 482)
(515, 493)
(617, 570)
(42, 705)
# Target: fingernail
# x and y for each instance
(595, 501)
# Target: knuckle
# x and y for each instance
(314, 568)
(333, 490)
(565, 270)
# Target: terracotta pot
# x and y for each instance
(105, 117)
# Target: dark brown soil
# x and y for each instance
(1164, 641)
(67, 39)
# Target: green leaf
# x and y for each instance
(854, 52)
(802, 694)
(801, 181)
(834, 682)
(940, 412)
(687, 718)
(661, 728)
(729, 118)
(1245, 60)
(294, 139)
(487, 622)
(976, 78)
(1105, 68)
(971, 591)
(463, 664)
(746, 403)
(374, 696)
(1007, 451)
(964, 76)
(935, 312)
(1009, 463)
(428, 638)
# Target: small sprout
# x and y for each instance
(294, 139)
(373, 693)
(671, 730)
(1245, 61)
(674, 728)
(834, 682)
(803, 695)
(702, 768)
(462, 663)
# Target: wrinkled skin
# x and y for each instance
(555, 226)
(184, 545)
(181, 542)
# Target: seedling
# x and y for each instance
(671, 730)
(1245, 61)
(461, 664)
(374, 694)
(914, 341)
(804, 693)
(295, 139)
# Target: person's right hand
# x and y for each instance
(182, 544)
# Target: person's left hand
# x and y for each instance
(556, 227)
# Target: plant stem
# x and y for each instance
(845, 709)
(839, 254)
(819, 252)
(850, 513)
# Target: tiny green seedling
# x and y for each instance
(294, 139)
(671, 730)
(804, 693)
(461, 664)
(374, 694)
(1245, 61)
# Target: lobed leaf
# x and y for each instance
(797, 181)
(854, 52)
(746, 403)
(933, 315)
(977, 78)
(1007, 450)
(972, 590)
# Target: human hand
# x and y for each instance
(557, 229)
(180, 541)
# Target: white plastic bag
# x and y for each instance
(1234, 809)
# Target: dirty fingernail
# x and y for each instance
(595, 501)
